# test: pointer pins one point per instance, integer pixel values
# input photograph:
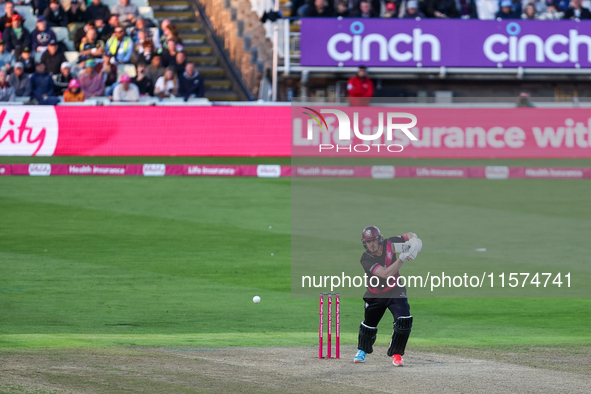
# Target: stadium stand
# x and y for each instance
(197, 49)
(231, 44)
(189, 35)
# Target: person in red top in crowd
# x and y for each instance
(360, 88)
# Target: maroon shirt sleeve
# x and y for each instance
(369, 264)
(398, 239)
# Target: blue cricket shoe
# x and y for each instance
(360, 356)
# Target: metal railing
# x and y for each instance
(289, 43)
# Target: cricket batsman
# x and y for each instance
(381, 266)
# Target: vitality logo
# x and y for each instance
(28, 131)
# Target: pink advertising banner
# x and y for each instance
(325, 131)
(276, 171)
(42, 169)
(144, 131)
(285, 131)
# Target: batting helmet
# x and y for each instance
(370, 233)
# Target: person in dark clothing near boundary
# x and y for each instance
(55, 15)
(61, 81)
(97, 10)
(42, 88)
(53, 58)
(16, 37)
(26, 58)
(20, 81)
(6, 20)
(191, 84)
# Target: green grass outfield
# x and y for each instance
(133, 261)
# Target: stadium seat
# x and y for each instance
(72, 27)
(63, 35)
(71, 56)
(148, 13)
(128, 69)
(27, 13)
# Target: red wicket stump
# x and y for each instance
(321, 328)
(329, 324)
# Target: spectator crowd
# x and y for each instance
(33, 64)
(442, 9)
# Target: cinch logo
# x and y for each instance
(557, 48)
(358, 47)
(28, 131)
(342, 139)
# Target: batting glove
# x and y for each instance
(415, 247)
